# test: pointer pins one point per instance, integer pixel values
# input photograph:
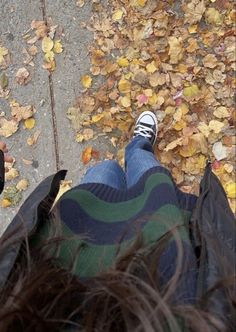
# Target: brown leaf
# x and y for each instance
(23, 76)
(87, 155)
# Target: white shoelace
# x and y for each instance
(144, 131)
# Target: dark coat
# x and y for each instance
(213, 232)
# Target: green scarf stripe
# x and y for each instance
(117, 211)
(95, 258)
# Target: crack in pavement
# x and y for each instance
(52, 99)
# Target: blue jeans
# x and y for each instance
(139, 158)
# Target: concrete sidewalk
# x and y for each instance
(51, 95)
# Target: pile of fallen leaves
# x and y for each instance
(176, 59)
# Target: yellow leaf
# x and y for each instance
(96, 118)
(7, 128)
(204, 129)
(221, 112)
(4, 203)
(193, 28)
(47, 44)
(29, 123)
(22, 185)
(191, 91)
(151, 67)
(125, 101)
(57, 48)
(3, 52)
(153, 99)
(188, 150)
(231, 189)
(11, 174)
(184, 108)
(123, 62)
(216, 126)
(213, 16)
(138, 3)
(49, 56)
(180, 125)
(117, 15)
(86, 80)
(124, 86)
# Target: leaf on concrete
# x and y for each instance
(34, 138)
(86, 81)
(29, 123)
(21, 112)
(23, 76)
(8, 127)
(87, 155)
(22, 185)
(57, 48)
(47, 44)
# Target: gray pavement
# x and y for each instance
(56, 147)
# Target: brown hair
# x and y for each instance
(40, 295)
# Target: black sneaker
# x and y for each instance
(146, 126)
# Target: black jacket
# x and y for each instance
(213, 232)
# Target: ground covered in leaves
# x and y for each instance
(175, 58)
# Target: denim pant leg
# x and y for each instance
(139, 158)
(108, 172)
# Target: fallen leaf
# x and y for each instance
(8, 127)
(176, 49)
(86, 135)
(216, 126)
(3, 81)
(11, 174)
(124, 86)
(49, 57)
(57, 48)
(13, 195)
(27, 162)
(157, 79)
(193, 11)
(213, 16)
(123, 62)
(5, 203)
(174, 144)
(29, 123)
(191, 91)
(87, 155)
(47, 44)
(34, 138)
(210, 61)
(117, 15)
(33, 50)
(219, 151)
(231, 190)
(221, 112)
(86, 81)
(21, 112)
(22, 185)
(125, 101)
(3, 53)
(22, 76)
(229, 168)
